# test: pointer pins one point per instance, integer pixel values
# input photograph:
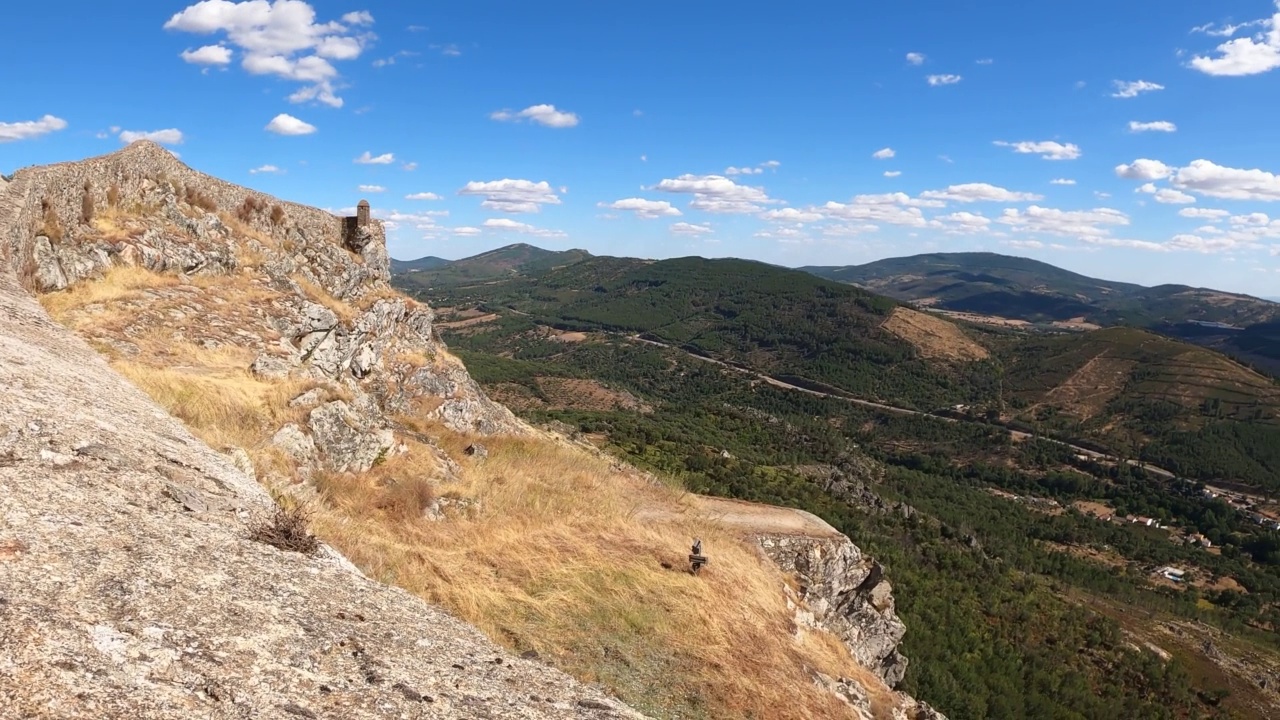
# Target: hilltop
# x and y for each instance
(990, 287)
(229, 337)
(520, 259)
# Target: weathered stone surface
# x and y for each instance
(116, 602)
(295, 442)
(848, 595)
(348, 445)
(269, 367)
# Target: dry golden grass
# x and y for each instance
(345, 312)
(551, 556)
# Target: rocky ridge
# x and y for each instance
(321, 312)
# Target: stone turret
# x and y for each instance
(356, 231)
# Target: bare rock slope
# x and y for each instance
(129, 586)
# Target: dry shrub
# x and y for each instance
(113, 195)
(197, 199)
(250, 208)
(51, 226)
(86, 204)
(277, 216)
(287, 529)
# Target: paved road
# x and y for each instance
(1016, 434)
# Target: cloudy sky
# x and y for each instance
(1131, 140)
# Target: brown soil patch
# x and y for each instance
(1105, 557)
(748, 517)
(934, 337)
(1076, 323)
(1096, 509)
(468, 322)
(565, 394)
(1090, 388)
(981, 319)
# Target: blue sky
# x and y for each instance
(810, 133)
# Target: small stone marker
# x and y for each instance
(696, 558)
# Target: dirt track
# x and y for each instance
(750, 518)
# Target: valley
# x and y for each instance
(729, 410)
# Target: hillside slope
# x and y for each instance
(269, 330)
(520, 259)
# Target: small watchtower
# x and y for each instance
(354, 235)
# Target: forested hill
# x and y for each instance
(781, 322)
(520, 259)
(1015, 287)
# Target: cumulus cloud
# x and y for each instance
(284, 124)
(509, 225)
(684, 228)
(892, 173)
(1134, 88)
(546, 115)
(423, 196)
(979, 192)
(208, 55)
(915, 58)
(1144, 169)
(1157, 126)
(743, 170)
(1212, 180)
(266, 170)
(1203, 213)
(467, 231)
(1067, 223)
(888, 208)
(368, 158)
(883, 153)
(648, 209)
(771, 164)
(512, 196)
(964, 223)
(372, 188)
(937, 80)
(1243, 55)
(170, 136)
(280, 38)
(1167, 196)
(792, 215)
(717, 193)
(1048, 149)
(1062, 181)
(10, 132)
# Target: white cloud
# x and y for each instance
(546, 115)
(1203, 213)
(284, 124)
(9, 132)
(450, 50)
(1243, 55)
(1166, 195)
(372, 188)
(1048, 149)
(979, 192)
(1025, 244)
(409, 166)
(743, 170)
(985, 61)
(1067, 223)
(891, 209)
(466, 231)
(170, 136)
(648, 209)
(512, 196)
(792, 215)
(883, 153)
(208, 55)
(915, 58)
(368, 158)
(1062, 181)
(892, 173)
(771, 164)
(281, 38)
(937, 80)
(717, 193)
(509, 225)
(423, 196)
(1207, 178)
(964, 222)
(1134, 88)
(684, 228)
(266, 170)
(1144, 169)
(1157, 126)
(1227, 29)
